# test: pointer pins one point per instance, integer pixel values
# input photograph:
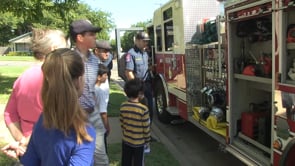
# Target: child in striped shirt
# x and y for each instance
(135, 124)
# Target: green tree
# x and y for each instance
(13, 25)
(8, 25)
(98, 18)
(33, 10)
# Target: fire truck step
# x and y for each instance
(173, 111)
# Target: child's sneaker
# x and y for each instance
(147, 148)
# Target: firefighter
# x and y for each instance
(137, 65)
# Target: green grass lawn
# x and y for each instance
(17, 58)
(159, 155)
(8, 74)
(117, 96)
(4, 160)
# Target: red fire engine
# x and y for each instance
(233, 76)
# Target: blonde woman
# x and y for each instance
(62, 135)
(24, 105)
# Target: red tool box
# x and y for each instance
(253, 123)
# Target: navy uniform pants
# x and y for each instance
(148, 94)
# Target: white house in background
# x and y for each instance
(21, 43)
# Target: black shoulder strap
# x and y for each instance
(133, 58)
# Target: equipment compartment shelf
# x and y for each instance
(291, 46)
(214, 135)
(257, 155)
(253, 78)
(255, 143)
(291, 82)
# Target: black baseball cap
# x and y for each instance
(81, 26)
(103, 44)
(142, 36)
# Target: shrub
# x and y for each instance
(12, 53)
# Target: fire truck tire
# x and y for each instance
(287, 158)
(161, 103)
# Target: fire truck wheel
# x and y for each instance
(287, 158)
(161, 103)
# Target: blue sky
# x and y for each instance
(127, 12)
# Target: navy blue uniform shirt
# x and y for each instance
(141, 62)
